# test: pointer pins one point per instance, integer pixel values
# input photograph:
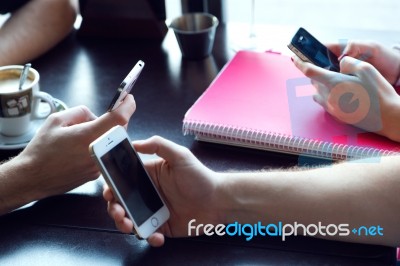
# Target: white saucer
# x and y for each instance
(19, 142)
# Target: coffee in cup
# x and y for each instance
(19, 107)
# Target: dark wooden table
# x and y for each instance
(74, 228)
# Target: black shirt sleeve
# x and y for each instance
(7, 6)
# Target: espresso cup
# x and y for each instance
(19, 108)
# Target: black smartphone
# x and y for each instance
(309, 49)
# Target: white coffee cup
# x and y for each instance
(20, 107)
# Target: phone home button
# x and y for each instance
(154, 221)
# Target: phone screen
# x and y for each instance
(132, 181)
(315, 51)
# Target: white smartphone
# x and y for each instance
(126, 86)
(132, 186)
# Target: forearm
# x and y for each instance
(35, 28)
(15, 191)
(357, 193)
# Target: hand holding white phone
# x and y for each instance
(131, 184)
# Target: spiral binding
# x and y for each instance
(278, 142)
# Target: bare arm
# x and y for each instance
(362, 193)
(16, 193)
(35, 28)
(57, 159)
(359, 193)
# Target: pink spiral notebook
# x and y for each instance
(262, 101)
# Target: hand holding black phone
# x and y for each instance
(309, 49)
